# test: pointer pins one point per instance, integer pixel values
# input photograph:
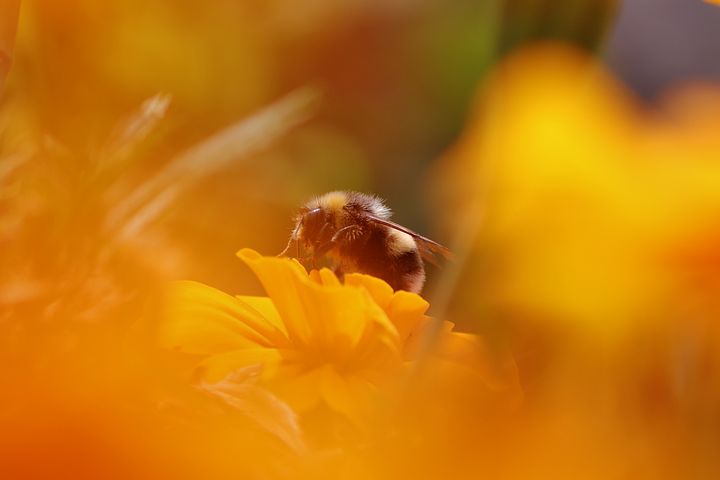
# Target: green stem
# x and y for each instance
(581, 22)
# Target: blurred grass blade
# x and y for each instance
(131, 132)
(236, 142)
(11, 163)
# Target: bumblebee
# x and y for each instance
(354, 231)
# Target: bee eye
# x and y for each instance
(313, 216)
(313, 221)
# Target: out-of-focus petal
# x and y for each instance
(217, 367)
(351, 396)
(584, 195)
(302, 391)
(471, 351)
(260, 405)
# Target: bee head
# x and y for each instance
(316, 227)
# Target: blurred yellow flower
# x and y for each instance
(593, 205)
(599, 252)
(320, 343)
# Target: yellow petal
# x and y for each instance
(380, 291)
(327, 277)
(416, 338)
(464, 350)
(407, 312)
(315, 276)
(201, 319)
(281, 278)
(329, 318)
(324, 276)
(266, 308)
(381, 295)
(302, 392)
(348, 395)
(260, 406)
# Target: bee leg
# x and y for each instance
(346, 233)
(339, 273)
(322, 249)
(338, 238)
(304, 260)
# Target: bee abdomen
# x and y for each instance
(409, 272)
(399, 264)
(387, 254)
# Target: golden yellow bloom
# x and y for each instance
(599, 247)
(592, 205)
(320, 343)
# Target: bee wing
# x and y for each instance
(428, 249)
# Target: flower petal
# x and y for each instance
(407, 312)
(301, 391)
(203, 320)
(281, 278)
(329, 318)
(349, 395)
(260, 406)
(324, 276)
(378, 289)
(327, 277)
(470, 351)
(266, 308)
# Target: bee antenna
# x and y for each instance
(287, 247)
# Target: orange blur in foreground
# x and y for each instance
(597, 256)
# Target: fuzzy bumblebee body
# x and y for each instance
(354, 230)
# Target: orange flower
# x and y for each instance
(320, 343)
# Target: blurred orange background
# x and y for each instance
(567, 152)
